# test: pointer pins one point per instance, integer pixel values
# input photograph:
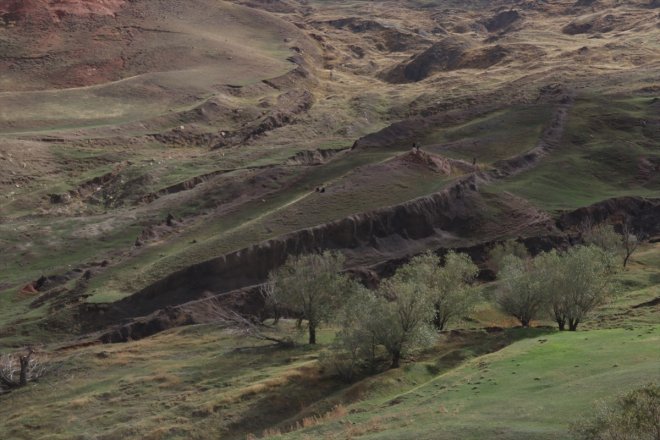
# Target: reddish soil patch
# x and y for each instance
(55, 10)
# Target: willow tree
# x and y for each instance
(448, 286)
(312, 287)
(405, 312)
(520, 294)
(578, 281)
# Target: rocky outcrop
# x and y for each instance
(451, 53)
(312, 157)
(279, 6)
(394, 135)
(599, 23)
(442, 56)
(356, 24)
(502, 20)
(147, 325)
(643, 214)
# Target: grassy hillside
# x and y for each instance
(201, 382)
(532, 389)
(604, 153)
(161, 134)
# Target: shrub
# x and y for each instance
(633, 416)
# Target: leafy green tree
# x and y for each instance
(633, 416)
(449, 286)
(576, 282)
(405, 320)
(549, 271)
(568, 285)
(312, 287)
(504, 249)
(603, 236)
(520, 294)
(396, 320)
(606, 238)
(356, 345)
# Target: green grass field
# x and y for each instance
(493, 137)
(599, 157)
(532, 389)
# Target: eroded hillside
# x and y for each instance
(156, 151)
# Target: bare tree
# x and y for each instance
(271, 305)
(211, 311)
(631, 241)
(17, 369)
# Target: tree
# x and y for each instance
(631, 241)
(17, 369)
(504, 249)
(211, 311)
(355, 346)
(448, 286)
(405, 320)
(271, 307)
(520, 293)
(576, 282)
(549, 273)
(606, 238)
(312, 287)
(633, 416)
(396, 320)
(603, 236)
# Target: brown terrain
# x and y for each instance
(155, 152)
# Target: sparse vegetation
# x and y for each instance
(211, 311)
(17, 369)
(173, 174)
(633, 416)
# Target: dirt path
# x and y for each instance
(550, 140)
